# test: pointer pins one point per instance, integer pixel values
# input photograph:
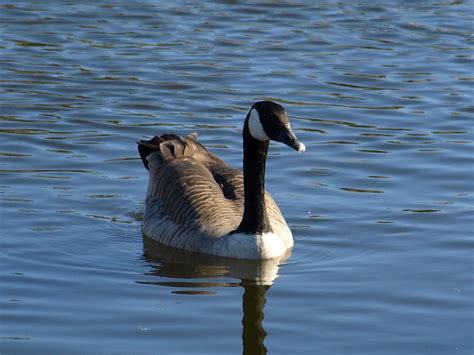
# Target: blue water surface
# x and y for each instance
(380, 204)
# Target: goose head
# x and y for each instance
(268, 120)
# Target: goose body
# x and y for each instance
(197, 202)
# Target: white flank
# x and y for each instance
(256, 128)
(260, 246)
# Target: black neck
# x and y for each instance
(254, 220)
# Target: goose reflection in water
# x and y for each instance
(256, 277)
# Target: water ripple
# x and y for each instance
(380, 204)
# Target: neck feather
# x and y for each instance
(254, 220)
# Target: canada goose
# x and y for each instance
(197, 202)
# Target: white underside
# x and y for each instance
(159, 227)
(247, 246)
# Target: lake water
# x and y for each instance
(381, 203)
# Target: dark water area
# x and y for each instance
(380, 204)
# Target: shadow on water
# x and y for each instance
(256, 278)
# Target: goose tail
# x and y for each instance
(170, 147)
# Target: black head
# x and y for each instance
(268, 120)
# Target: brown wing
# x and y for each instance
(196, 188)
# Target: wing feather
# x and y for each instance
(196, 188)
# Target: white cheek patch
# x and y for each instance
(256, 128)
